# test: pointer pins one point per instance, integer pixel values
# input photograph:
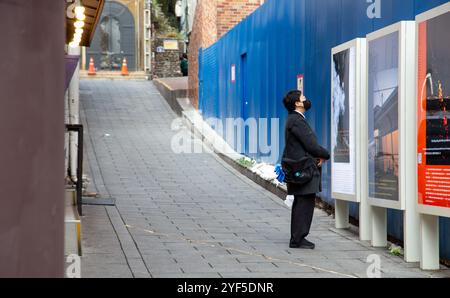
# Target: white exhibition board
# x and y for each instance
(347, 92)
(433, 111)
(390, 111)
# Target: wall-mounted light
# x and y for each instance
(81, 17)
(74, 44)
(79, 13)
(79, 24)
(79, 9)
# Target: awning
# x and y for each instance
(71, 65)
(93, 12)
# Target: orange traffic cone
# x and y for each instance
(125, 67)
(91, 67)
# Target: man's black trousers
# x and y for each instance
(301, 218)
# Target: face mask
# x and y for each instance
(307, 105)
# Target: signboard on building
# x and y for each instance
(300, 83)
(433, 97)
(233, 73)
(171, 45)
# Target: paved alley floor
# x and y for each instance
(191, 215)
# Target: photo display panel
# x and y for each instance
(343, 132)
(383, 117)
(433, 92)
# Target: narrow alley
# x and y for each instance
(192, 215)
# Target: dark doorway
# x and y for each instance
(244, 102)
(114, 39)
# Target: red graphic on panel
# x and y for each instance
(433, 113)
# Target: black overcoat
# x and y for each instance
(301, 141)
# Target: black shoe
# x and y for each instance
(307, 245)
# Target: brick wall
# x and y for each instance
(204, 33)
(231, 12)
(213, 18)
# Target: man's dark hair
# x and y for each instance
(290, 99)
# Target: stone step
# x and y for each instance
(115, 75)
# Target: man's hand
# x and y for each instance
(321, 162)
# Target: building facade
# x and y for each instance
(185, 11)
(213, 18)
(122, 32)
(125, 31)
(286, 39)
(32, 118)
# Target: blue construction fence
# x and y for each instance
(280, 40)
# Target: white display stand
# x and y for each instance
(429, 242)
(406, 142)
(429, 214)
(351, 173)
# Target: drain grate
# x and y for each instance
(99, 201)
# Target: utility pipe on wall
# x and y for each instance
(74, 115)
(66, 137)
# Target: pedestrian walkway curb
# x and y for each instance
(171, 95)
(199, 128)
(195, 123)
(215, 143)
(182, 215)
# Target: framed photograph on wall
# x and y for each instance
(347, 93)
(390, 87)
(433, 111)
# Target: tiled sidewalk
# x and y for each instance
(191, 215)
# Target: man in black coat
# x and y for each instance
(301, 141)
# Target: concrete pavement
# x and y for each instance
(191, 215)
